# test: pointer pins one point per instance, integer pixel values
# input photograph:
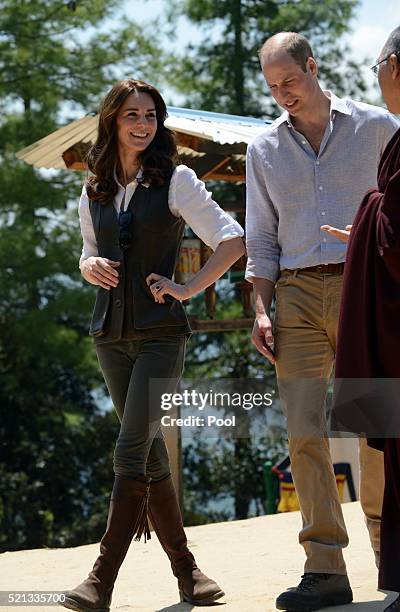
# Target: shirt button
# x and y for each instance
(320, 188)
(324, 240)
(304, 142)
(118, 303)
(318, 163)
(322, 212)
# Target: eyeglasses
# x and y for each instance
(125, 234)
(375, 68)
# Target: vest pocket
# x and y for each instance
(101, 306)
(149, 314)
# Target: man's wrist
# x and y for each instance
(83, 268)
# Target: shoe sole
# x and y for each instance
(207, 601)
(334, 600)
(71, 604)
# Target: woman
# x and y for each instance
(133, 211)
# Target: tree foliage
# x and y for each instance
(223, 477)
(222, 73)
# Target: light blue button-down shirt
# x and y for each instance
(292, 191)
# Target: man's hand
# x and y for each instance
(100, 271)
(343, 235)
(262, 337)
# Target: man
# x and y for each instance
(370, 313)
(311, 166)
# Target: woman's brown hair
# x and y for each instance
(157, 161)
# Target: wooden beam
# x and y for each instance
(206, 145)
(230, 178)
(75, 157)
(217, 166)
(221, 325)
(188, 140)
(201, 165)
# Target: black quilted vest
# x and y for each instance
(156, 239)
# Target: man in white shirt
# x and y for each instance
(310, 167)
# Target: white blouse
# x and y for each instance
(187, 198)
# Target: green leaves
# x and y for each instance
(223, 74)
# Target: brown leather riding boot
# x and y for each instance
(127, 518)
(165, 514)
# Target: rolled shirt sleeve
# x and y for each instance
(263, 251)
(89, 248)
(189, 198)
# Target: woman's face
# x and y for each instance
(136, 122)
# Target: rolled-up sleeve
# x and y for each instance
(263, 251)
(89, 247)
(189, 198)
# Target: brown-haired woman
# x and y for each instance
(133, 211)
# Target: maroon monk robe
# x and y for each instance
(369, 328)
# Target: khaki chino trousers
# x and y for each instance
(305, 329)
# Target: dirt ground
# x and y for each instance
(252, 560)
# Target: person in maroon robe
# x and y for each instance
(368, 350)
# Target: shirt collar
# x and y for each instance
(137, 179)
(337, 104)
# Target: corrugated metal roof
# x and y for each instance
(214, 127)
(217, 127)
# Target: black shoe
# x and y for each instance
(394, 607)
(316, 591)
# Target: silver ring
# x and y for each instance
(158, 287)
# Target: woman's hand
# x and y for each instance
(101, 271)
(160, 286)
(226, 253)
(343, 235)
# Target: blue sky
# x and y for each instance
(372, 25)
(374, 20)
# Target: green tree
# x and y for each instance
(222, 73)
(56, 445)
(223, 478)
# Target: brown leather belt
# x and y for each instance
(333, 268)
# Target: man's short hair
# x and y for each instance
(393, 43)
(296, 45)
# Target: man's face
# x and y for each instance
(389, 82)
(290, 86)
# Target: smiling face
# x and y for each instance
(136, 122)
(290, 86)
